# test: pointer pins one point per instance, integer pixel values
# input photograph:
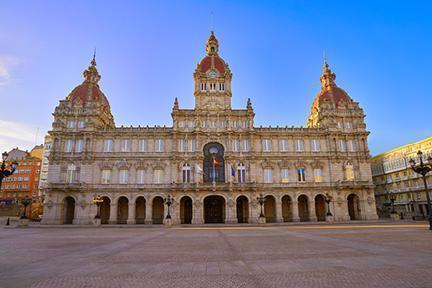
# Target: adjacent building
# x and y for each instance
(214, 161)
(43, 180)
(393, 176)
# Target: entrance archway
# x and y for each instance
(242, 205)
(320, 207)
(186, 210)
(140, 210)
(214, 209)
(69, 210)
(214, 163)
(122, 210)
(158, 210)
(270, 209)
(287, 209)
(354, 207)
(303, 207)
(105, 210)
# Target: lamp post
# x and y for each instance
(98, 200)
(213, 151)
(168, 202)
(261, 201)
(3, 171)
(25, 202)
(328, 199)
(423, 169)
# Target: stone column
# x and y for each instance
(295, 212)
(231, 212)
(113, 214)
(175, 212)
(131, 213)
(149, 212)
(279, 217)
(312, 214)
(197, 212)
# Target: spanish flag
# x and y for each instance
(215, 162)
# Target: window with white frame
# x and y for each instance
(125, 145)
(301, 176)
(140, 175)
(268, 175)
(106, 176)
(283, 145)
(284, 175)
(246, 145)
(71, 124)
(352, 145)
(68, 145)
(81, 124)
(223, 124)
(341, 145)
(339, 125)
(192, 145)
(317, 175)
(158, 176)
(213, 123)
(348, 125)
(159, 145)
(235, 145)
(299, 145)
(71, 173)
(315, 145)
(142, 145)
(186, 173)
(108, 145)
(181, 145)
(204, 124)
(267, 145)
(234, 123)
(241, 173)
(79, 145)
(123, 176)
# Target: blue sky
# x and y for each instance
(148, 50)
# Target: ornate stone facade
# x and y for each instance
(213, 161)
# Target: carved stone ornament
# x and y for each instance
(123, 164)
(317, 164)
(284, 164)
(197, 204)
(231, 203)
(82, 204)
(141, 165)
(106, 165)
(267, 164)
(49, 204)
(370, 200)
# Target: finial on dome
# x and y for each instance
(176, 104)
(327, 77)
(325, 65)
(93, 62)
(91, 74)
(212, 44)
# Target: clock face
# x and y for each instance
(212, 74)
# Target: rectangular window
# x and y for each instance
(125, 145)
(123, 176)
(108, 145)
(71, 124)
(181, 145)
(140, 176)
(315, 145)
(301, 175)
(186, 175)
(142, 145)
(192, 145)
(223, 124)
(348, 125)
(284, 175)
(235, 145)
(283, 145)
(213, 123)
(71, 174)
(299, 145)
(246, 145)
(317, 175)
(69, 144)
(81, 124)
(341, 145)
(241, 174)
(159, 145)
(158, 176)
(79, 145)
(352, 146)
(268, 176)
(106, 176)
(267, 145)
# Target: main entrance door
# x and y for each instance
(214, 209)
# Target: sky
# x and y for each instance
(147, 52)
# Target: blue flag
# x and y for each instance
(232, 171)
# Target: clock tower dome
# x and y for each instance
(212, 78)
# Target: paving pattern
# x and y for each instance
(281, 256)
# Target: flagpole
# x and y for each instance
(214, 171)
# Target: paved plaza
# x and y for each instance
(361, 255)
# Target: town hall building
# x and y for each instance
(213, 161)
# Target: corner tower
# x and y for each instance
(212, 78)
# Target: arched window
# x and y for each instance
(241, 172)
(214, 163)
(186, 173)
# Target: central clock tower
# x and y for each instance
(212, 78)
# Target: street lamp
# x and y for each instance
(25, 202)
(168, 202)
(422, 169)
(98, 200)
(392, 200)
(328, 199)
(213, 151)
(3, 171)
(261, 201)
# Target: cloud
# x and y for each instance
(6, 65)
(21, 135)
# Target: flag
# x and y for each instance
(215, 162)
(198, 168)
(232, 171)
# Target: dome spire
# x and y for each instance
(91, 75)
(327, 77)
(212, 45)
